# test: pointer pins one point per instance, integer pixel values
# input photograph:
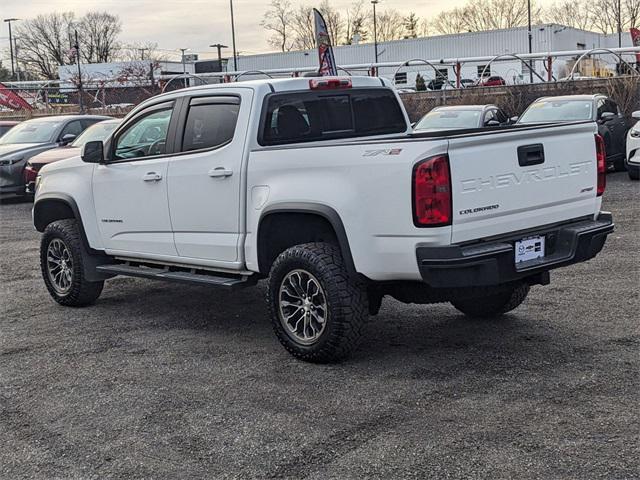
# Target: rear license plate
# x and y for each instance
(529, 248)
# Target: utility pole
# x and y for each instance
(620, 24)
(219, 46)
(530, 39)
(184, 67)
(9, 20)
(15, 46)
(375, 30)
(233, 39)
(141, 50)
(77, 47)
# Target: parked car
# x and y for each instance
(320, 185)
(97, 131)
(493, 81)
(34, 136)
(598, 108)
(6, 125)
(462, 117)
(633, 149)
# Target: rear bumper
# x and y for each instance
(493, 263)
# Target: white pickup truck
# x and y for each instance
(320, 186)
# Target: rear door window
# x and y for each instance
(311, 116)
(211, 122)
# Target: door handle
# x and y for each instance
(529, 155)
(220, 172)
(152, 177)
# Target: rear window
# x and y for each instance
(557, 111)
(311, 116)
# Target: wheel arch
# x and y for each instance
(60, 206)
(313, 218)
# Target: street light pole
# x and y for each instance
(219, 46)
(233, 39)
(77, 47)
(141, 50)
(9, 20)
(375, 29)
(530, 38)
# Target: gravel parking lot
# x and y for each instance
(161, 380)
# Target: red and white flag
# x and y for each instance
(325, 50)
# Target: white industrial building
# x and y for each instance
(545, 38)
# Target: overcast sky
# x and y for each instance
(191, 24)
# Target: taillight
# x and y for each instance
(30, 174)
(601, 159)
(329, 83)
(432, 192)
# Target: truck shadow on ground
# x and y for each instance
(417, 335)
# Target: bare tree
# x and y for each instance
(450, 22)
(45, 42)
(576, 14)
(334, 20)
(141, 51)
(99, 32)
(632, 13)
(496, 14)
(304, 29)
(390, 25)
(278, 20)
(355, 24)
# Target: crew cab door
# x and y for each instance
(205, 176)
(130, 189)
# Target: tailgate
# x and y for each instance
(512, 180)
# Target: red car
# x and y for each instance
(494, 81)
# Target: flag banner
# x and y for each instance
(12, 100)
(635, 40)
(325, 51)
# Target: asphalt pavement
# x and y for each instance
(167, 381)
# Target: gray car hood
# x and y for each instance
(18, 148)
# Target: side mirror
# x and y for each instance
(67, 139)
(514, 119)
(493, 123)
(636, 115)
(93, 152)
(606, 116)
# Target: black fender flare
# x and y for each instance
(323, 211)
(92, 257)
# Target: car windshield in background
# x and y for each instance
(99, 131)
(30, 132)
(310, 116)
(557, 111)
(448, 119)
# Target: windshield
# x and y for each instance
(557, 111)
(447, 119)
(31, 132)
(99, 131)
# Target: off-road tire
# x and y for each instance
(81, 291)
(493, 304)
(346, 299)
